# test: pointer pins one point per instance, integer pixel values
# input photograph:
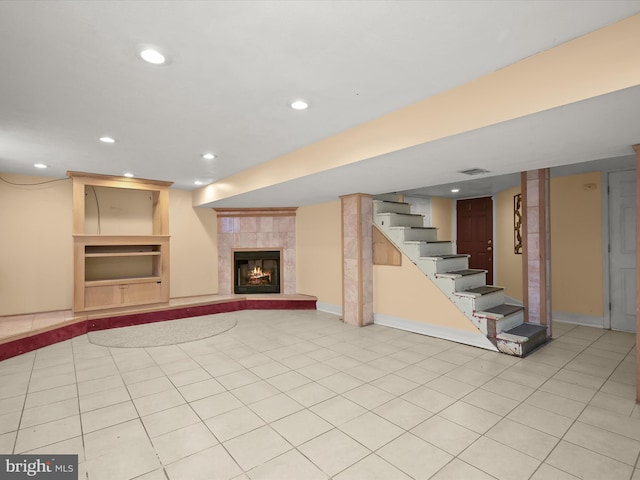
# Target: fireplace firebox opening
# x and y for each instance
(256, 272)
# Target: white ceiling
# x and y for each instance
(70, 74)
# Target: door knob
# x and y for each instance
(489, 249)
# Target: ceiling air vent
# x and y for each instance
(474, 171)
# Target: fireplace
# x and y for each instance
(251, 230)
(256, 271)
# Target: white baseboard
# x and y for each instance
(578, 319)
(329, 308)
(452, 334)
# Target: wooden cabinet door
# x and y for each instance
(138, 293)
(103, 296)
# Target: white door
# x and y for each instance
(622, 255)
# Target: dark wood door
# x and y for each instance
(475, 233)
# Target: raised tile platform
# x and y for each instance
(176, 309)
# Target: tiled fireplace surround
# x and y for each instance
(256, 229)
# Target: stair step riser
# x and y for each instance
(388, 197)
(395, 220)
(509, 322)
(492, 327)
(461, 283)
(399, 236)
(488, 301)
(417, 250)
(431, 267)
(389, 207)
(521, 349)
(420, 235)
(481, 302)
(427, 249)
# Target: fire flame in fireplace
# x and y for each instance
(257, 276)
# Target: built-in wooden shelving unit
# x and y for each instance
(112, 271)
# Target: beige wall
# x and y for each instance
(442, 217)
(405, 292)
(194, 249)
(576, 244)
(36, 263)
(319, 252)
(509, 265)
(401, 292)
(36, 258)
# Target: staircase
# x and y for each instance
(484, 305)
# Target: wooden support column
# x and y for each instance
(357, 259)
(536, 258)
(637, 150)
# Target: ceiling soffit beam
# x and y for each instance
(601, 62)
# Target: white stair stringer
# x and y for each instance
(483, 305)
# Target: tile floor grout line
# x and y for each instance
(136, 408)
(521, 402)
(636, 466)
(308, 409)
(367, 342)
(575, 420)
(75, 371)
(204, 422)
(24, 403)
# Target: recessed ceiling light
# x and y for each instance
(299, 105)
(208, 156)
(151, 55)
(455, 190)
(107, 140)
(198, 182)
(40, 165)
(128, 175)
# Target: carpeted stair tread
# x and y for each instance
(521, 340)
(484, 290)
(399, 213)
(390, 201)
(505, 309)
(412, 228)
(526, 330)
(428, 241)
(465, 272)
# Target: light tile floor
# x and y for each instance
(298, 395)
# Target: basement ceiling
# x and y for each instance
(71, 74)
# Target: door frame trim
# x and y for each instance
(606, 264)
(494, 232)
(606, 238)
